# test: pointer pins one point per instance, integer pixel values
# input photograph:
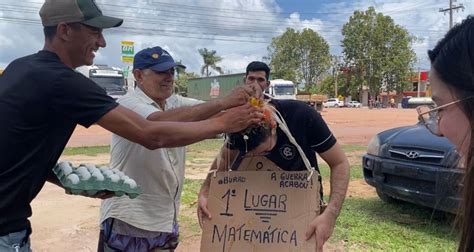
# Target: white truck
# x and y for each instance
(111, 79)
(281, 89)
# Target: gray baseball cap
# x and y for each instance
(86, 12)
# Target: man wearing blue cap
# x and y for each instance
(42, 99)
(149, 222)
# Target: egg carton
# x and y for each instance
(90, 180)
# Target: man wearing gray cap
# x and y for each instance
(42, 99)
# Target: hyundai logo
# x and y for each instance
(412, 154)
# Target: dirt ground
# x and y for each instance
(70, 223)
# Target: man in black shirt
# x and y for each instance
(312, 135)
(42, 99)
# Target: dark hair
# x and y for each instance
(255, 66)
(50, 31)
(453, 60)
(255, 136)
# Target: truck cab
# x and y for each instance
(281, 89)
(111, 79)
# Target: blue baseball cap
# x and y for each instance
(155, 58)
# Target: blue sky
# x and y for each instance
(239, 30)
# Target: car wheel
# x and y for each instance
(336, 106)
(384, 197)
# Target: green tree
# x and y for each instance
(378, 51)
(299, 56)
(181, 82)
(210, 61)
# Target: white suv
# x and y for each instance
(333, 102)
(353, 104)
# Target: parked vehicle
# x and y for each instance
(111, 79)
(313, 100)
(414, 102)
(411, 164)
(208, 88)
(281, 89)
(353, 104)
(333, 103)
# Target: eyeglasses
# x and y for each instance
(429, 115)
(170, 71)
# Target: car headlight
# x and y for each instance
(374, 146)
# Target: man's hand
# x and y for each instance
(203, 211)
(241, 94)
(99, 195)
(321, 228)
(239, 118)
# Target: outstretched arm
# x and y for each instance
(153, 135)
(237, 97)
(323, 225)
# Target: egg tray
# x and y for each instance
(87, 179)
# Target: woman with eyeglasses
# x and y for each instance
(452, 83)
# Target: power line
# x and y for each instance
(450, 9)
(213, 25)
(174, 13)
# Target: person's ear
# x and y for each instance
(138, 75)
(63, 31)
(266, 85)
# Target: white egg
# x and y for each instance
(65, 168)
(94, 170)
(98, 175)
(73, 178)
(81, 169)
(120, 173)
(131, 183)
(90, 167)
(115, 178)
(84, 174)
(108, 173)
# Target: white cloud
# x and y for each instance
(239, 30)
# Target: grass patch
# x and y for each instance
(190, 190)
(370, 224)
(88, 151)
(191, 225)
(206, 145)
(205, 149)
(353, 147)
(355, 172)
(364, 225)
(187, 217)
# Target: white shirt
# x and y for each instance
(159, 173)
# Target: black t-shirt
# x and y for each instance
(309, 130)
(41, 102)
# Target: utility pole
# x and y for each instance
(419, 79)
(450, 9)
(335, 72)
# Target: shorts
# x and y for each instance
(16, 242)
(116, 235)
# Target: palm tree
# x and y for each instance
(210, 61)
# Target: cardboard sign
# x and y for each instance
(261, 211)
